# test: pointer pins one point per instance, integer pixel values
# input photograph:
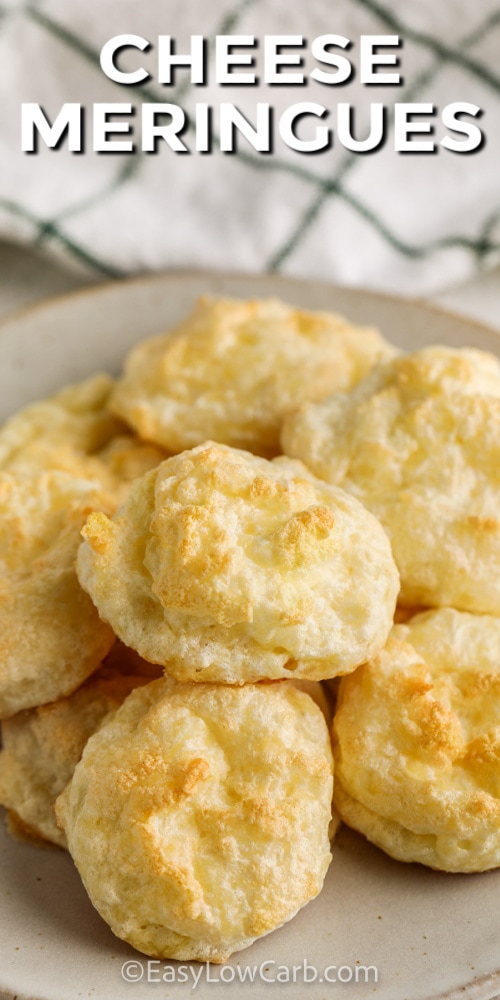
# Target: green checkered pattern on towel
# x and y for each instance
(414, 223)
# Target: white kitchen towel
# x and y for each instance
(404, 222)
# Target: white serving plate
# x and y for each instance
(429, 934)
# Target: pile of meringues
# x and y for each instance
(255, 494)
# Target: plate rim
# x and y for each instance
(97, 289)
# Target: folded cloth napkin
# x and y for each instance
(407, 222)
